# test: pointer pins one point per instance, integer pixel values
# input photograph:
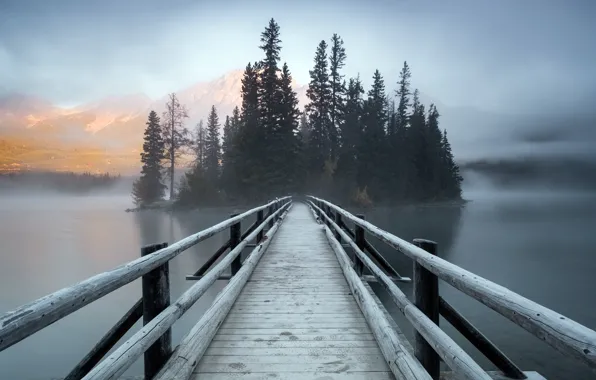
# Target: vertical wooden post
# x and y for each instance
(156, 297)
(338, 222)
(270, 212)
(259, 222)
(360, 242)
(426, 298)
(235, 234)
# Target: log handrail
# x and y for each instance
(24, 321)
(454, 356)
(564, 334)
(123, 357)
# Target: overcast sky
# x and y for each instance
(492, 54)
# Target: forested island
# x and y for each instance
(347, 144)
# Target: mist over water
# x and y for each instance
(534, 240)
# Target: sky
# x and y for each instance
(495, 55)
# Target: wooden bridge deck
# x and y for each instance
(296, 317)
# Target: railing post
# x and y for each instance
(259, 222)
(426, 298)
(338, 222)
(269, 213)
(235, 234)
(360, 242)
(156, 298)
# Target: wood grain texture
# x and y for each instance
(296, 317)
(562, 333)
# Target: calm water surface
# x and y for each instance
(541, 246)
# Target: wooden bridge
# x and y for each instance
(299, 307)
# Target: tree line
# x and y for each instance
(348, 144)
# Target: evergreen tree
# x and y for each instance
(250, 142)
(400, 172)
(269, 87)
(175, 135)
(351, 134)
(372, 150)
(452, 179)
(420, 180)
(337, 59)
(434, 150)
(149, 188)
(235, 121)
(286, 148)
(317, 110)
(199, 144)
(212, 147)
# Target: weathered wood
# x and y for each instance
(426, 298)
(496, 375)
(296, 376)
(562, 333)
(455, 357)
(108, 341)
(122, 358)
(402, 364)
(337, 218)
(481, 342)
(156, 298)
(235, 232)
(194, 345)
(34, 316)
(360, 242)
(260, 219)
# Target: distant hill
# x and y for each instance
(101, 136)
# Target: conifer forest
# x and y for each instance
(351, 144)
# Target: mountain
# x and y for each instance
(113, 126)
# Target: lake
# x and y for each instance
(536, 243)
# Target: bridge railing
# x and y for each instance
(154, 339)
(431, 344)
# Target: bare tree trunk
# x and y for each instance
(172, 154)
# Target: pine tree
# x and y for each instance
(212, 147)
(351, 134)
(287, 146)
(317, 110)
(400, 172)
(269, 87)
(250, 142)
(451, 187)
(420, 179)
(199, 144)
(337, 59)
(175, 135)
(373, 148)
(149, 188)
(228, 176)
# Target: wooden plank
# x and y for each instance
(296, 359)
(296, 376)
(18, 324)
(292, 317)
(293, 325)
(291, 337)
(562, 333)
(293, 343)
(335, 366)
(274, 351)
(275, 331)
(194, 344)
